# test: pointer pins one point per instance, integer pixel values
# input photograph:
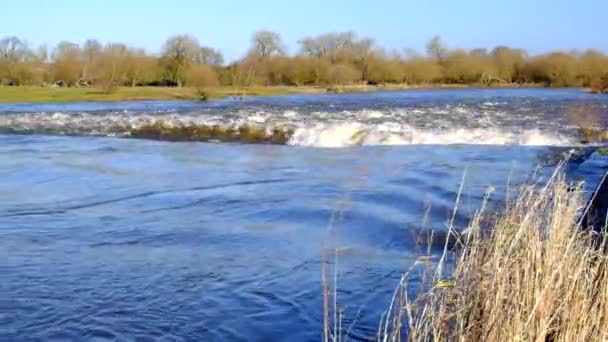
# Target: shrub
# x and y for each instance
(342, 74)
(201, 76)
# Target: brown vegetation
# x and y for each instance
(326, 60)
(589, 119)
(244, 134)
(530, 274)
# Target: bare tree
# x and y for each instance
(178, 54)
(115, 64)
(19, 65)
(209, 56)
(13, 50)
(92, 52)
(266, 43)
(140, 68)
(67, 63)
(436, 50)
(339, 57)
(507, 61)
(361, 53)
(42, 54)
(329, 45)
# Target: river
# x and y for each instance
(107, 237)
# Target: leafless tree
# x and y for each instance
(209, 56)
(436, 50)
(13, 50)
(178, 54)
(266, 44)
(67, 63)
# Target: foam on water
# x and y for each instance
(440, 125)
(352, 134)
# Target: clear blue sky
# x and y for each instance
(536, 25)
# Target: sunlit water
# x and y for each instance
(109, 238)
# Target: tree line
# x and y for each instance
(324, 60)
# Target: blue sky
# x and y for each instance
(536, 25)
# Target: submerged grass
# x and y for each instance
(243, 134)
(528, 274)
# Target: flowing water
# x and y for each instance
(106, 237)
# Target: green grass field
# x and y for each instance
(51, 94)
(55, 95)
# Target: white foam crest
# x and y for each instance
(290, 114)
(371, 114)
(492, 104)
(258, 118)
(355, 134)
(86, 123)
(320, 129)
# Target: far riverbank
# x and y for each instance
(49, 94)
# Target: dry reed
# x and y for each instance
(528, 274)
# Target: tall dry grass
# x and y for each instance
(528, 274)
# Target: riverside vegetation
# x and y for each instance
(531, 273)
(186, 69)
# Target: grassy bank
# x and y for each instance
(528, 275)
(57, 95)
(53, 95)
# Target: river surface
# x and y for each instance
(106, 237)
